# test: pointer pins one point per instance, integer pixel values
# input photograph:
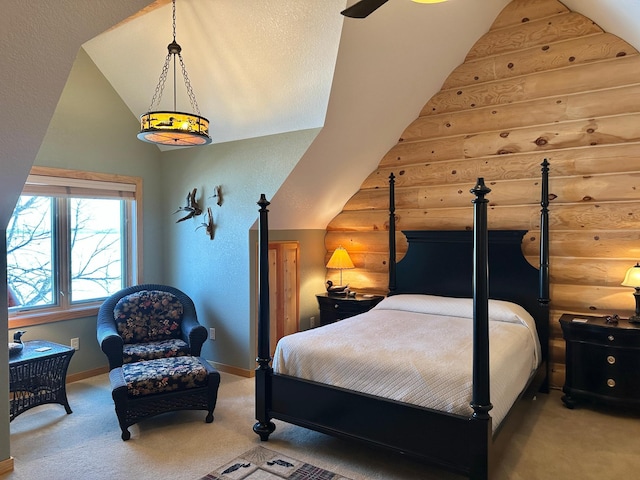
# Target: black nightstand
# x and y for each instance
(334, 308)
(602, 361)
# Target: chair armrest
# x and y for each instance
(110, 341)
(112, 348)
(194, 334)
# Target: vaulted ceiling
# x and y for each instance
(257, 67)
(260, 67)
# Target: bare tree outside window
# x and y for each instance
(96, 248)
(30, 251)
(90, 232)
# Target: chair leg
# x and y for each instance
(119, 395)
(212, 388)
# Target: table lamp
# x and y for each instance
(632, 279)
(341, 260)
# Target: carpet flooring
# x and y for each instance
(587, 443)
(263, 464)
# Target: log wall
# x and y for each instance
(544, 82)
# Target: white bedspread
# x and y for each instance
(417, 349)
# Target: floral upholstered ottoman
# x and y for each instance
(144, 389)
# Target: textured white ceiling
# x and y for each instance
(257, 67)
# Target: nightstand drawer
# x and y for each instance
(606, 371)
(602, 361)
(333, 308)
(344, 308)
(599, 335)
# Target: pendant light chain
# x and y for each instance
(173, 128)
(174, 49)
(157, 95)
(192, 96)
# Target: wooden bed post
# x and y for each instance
(480, 399)
(264, 427)
(544, 299)
(392, 234)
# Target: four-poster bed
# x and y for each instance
(448, 267)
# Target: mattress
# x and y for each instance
(417, 349)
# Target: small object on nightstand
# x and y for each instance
(602, 360)
(612, 319)
(337, 289)
(333, 308)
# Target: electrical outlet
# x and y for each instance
(312, 322)
(212, 334)
(75, 343)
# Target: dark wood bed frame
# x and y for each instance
(449, 263)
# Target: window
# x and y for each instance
(71, 242)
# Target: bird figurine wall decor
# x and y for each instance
(208, 224)
(217, 193)
(192, 207)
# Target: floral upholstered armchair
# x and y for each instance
(146, 322)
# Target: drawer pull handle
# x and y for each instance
(611, 382)
(336, 306)
(611, 359)
(611, 338)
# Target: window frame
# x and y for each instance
(66, 310)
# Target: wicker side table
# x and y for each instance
(37, 375)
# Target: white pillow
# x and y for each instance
(499, 310)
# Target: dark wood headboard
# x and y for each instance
(441, 263)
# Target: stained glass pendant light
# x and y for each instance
(173, 128)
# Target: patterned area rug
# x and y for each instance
(264, 464)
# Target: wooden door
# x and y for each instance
(284, 286)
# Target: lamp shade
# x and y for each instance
(176, 129)
(340, 259)
(632, 278)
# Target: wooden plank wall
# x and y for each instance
(544, 82)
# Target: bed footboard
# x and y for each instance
(453, 442)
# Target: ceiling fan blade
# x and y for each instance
(363, 8)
